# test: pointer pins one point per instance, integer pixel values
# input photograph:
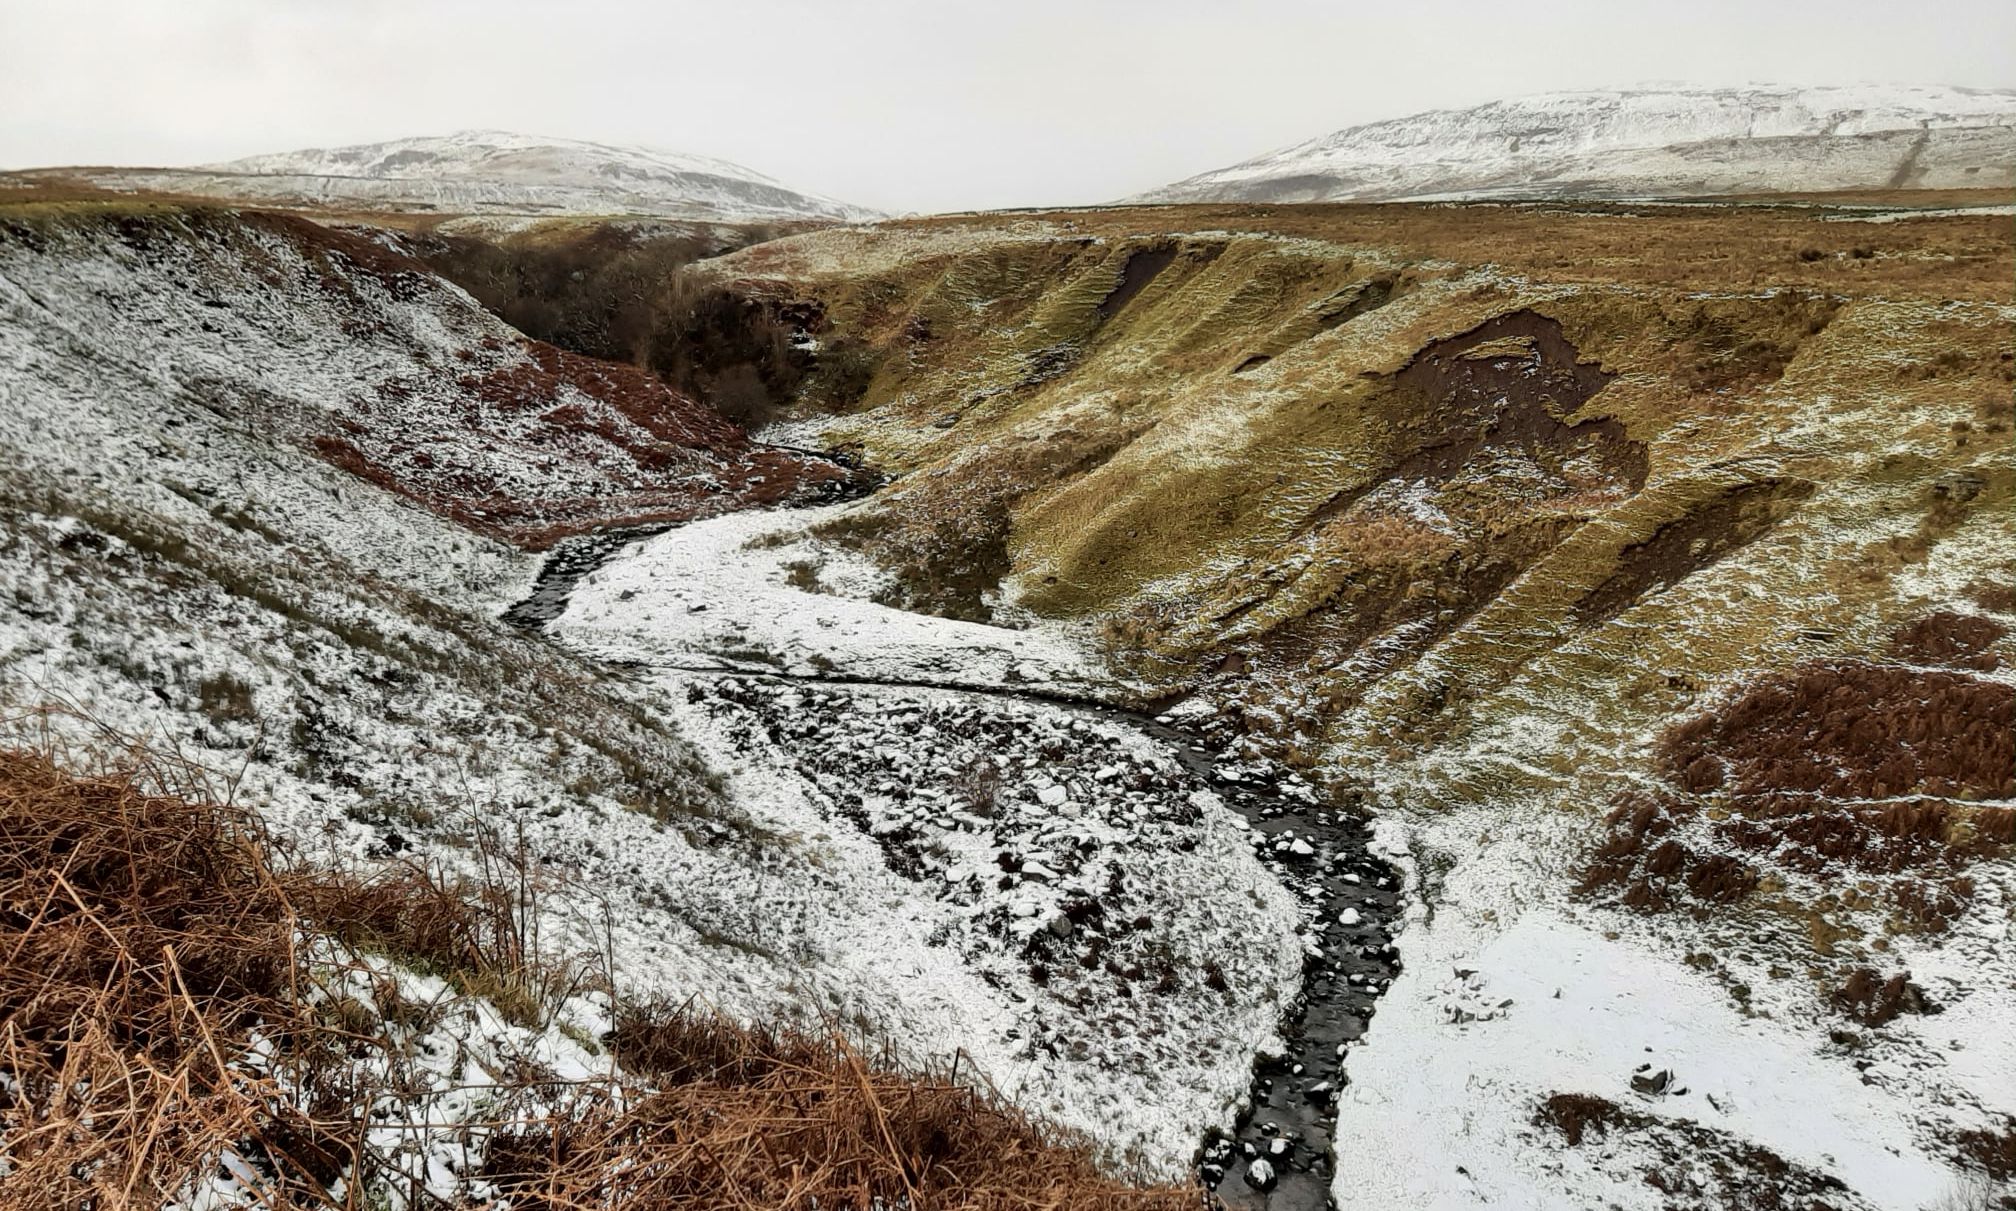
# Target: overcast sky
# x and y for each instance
(903, 104)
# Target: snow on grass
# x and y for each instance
(173, 569)
(1065, 887)
(1508, 996)
(746, 590)
(1057, 919)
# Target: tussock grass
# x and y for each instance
(163, 1015)
(759, 1117)
(141, 938)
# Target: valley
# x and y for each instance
(1421, 704)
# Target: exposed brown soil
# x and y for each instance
(1717, 350)
(1472, 401)
(1142, 267)
(1498, 395)
(1687, 544)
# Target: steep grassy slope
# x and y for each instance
(1464, 508)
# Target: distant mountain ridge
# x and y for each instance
(1644, 143)
(498, 172)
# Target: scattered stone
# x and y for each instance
(1260, 1175)
(1652, 1084)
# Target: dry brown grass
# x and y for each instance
(1953, 639)
(1694, 1166)
(145, 937)
(1855, 730)
(1730, 247)
(766, 1118)
(1825, 770)
(141, 938)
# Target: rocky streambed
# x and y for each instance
(1053, 798)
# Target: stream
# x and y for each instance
(1278, 1156)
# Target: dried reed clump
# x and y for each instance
(756, 1117)
(141, 937)
(148, 950)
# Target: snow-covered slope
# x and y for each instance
(489, 171)
(1645, 143)
(182, 560)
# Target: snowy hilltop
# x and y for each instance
(487, 171)
(1644, 143)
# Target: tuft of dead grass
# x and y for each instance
(760, 1117)
(142, 937)
(160, 1024)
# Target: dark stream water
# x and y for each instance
(1278, 1156)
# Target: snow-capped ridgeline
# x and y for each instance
(497, 171)
(1644, 143)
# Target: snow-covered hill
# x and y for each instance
(488, 171)
(1645, 143)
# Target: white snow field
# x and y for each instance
(1508, 996)
(721, 592)
(1644, 143)
(496, 172)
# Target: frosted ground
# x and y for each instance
(334, 654)
(174, 573)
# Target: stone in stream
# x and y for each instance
(1260, 1175)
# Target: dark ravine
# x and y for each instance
(1278, 1156)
